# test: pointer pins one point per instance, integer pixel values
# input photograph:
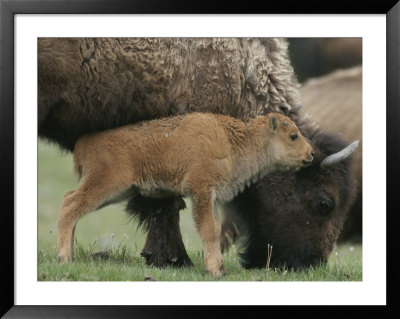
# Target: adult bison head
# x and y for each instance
(300, 213)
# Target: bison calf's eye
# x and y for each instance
(294, 136)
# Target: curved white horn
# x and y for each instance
(340, 156)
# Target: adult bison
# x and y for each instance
(96, 84)
(314, 57)
(335, 102)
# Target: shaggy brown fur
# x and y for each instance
(94, 84)
(88, 84)
(203, 156)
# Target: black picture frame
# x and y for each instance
(8, 10)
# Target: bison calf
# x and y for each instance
(206, 157)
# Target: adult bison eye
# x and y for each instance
(293, 136)
(325, 206)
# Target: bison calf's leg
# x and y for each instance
(70, 255)
(160, 218)
(91, 193)
(73, 206)
(209, 227)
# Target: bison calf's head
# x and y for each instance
(288, 147)
(299, 213)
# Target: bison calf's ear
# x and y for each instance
(273, 123)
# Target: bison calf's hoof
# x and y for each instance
(216, 270)
(63, 259)
(218, 273)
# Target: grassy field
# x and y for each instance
(109, 231)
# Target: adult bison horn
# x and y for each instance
(339, 156)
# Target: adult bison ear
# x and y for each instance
(273, 123)
(339, 156)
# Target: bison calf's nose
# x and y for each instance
(309, 161)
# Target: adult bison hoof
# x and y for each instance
(226, 243)
(228, 237)
(159, 260)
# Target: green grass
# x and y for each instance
(119, 264)
(109, 230)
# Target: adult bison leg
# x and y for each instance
(232, 226)
(160, 218)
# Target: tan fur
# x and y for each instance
(204, 156)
